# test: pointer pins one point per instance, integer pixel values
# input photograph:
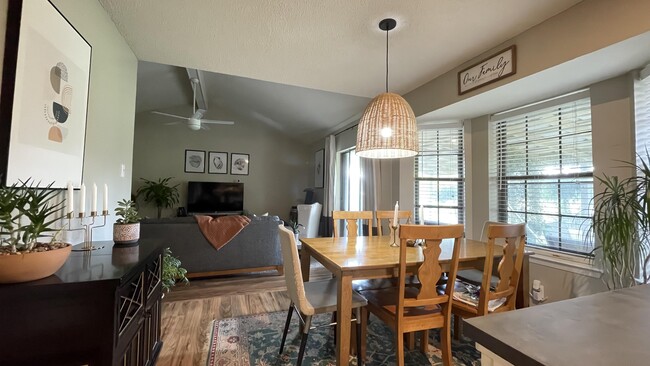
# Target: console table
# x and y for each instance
(101, 308)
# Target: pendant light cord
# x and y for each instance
(386, 60)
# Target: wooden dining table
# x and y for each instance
(372, 257)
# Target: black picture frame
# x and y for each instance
(239, 164)
(52, 121)
(217, 162)
(194, 161)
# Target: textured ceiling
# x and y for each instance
(332, 45)
(307, 67)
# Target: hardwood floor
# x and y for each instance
(188, 310)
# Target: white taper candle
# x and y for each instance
(93, 202)
(395, 213)
(105, 206)
(82, 199)
(70, 198)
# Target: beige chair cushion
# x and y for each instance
(322, 296)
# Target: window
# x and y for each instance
(541, 171)
(439, 176)
(350, 181)
(642, 116)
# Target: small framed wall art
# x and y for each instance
(217, 162)
(194, 161)
(239, 164)
(319, 162)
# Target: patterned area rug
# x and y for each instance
(255, 341)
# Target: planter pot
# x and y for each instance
(126, 233)
(32, 266)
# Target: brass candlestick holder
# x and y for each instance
(87, 224)
(393, 234)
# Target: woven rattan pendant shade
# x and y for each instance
(387, 129)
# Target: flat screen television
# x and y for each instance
(214, 197)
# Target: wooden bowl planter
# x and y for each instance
(23, 266)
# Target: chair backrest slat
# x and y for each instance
(430, 270)
(513, 237)
(350, 219)
(389, 215)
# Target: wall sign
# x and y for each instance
(493, 68)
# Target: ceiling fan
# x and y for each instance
(195, 121)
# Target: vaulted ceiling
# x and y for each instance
(308, 65)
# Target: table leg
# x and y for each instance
(305, 263)
(343, 319)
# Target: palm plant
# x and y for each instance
(621, 223)
(160, 193)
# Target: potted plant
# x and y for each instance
(126, 229)
(26, 213)
(621, 223)
(172, 271)
(160, 193)
(295, 227)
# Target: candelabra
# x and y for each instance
(87, 224)
(393, 234)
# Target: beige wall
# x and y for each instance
(111, 102)
(280, 168)
(580, 30)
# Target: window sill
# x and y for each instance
(565, 262)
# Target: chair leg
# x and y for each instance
(409, 340)
(399, 352)
(303, 340)
(457, 326)
(360, 355)
(424, 341)
(445, 345)
(364, 331)
(334, 320)
(286, 328)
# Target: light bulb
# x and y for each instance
(386, 132)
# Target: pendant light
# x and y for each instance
(387, 129)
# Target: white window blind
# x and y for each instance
(439, 176)
(541, 171)
(642, 117)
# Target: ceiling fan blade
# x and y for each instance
(171, 123)
(217, 122)
(204, 127)
(168, 115)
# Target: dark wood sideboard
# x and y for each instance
(101, 308)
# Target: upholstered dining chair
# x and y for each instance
(311, 298)
(409, 309)
(389, 215)
(513, 239)
(350, 219)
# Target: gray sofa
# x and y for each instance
(255, 248)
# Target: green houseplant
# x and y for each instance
(126, 229)
(160, 193)
(621, 223)
(27, 213)
(172, 271)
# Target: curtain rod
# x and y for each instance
(349, 128)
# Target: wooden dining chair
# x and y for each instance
(350, 219)
(389, 215)
(509, 268)
(473, 275)
(312, 298)
(409, 309)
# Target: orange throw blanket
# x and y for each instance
(220, 230)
